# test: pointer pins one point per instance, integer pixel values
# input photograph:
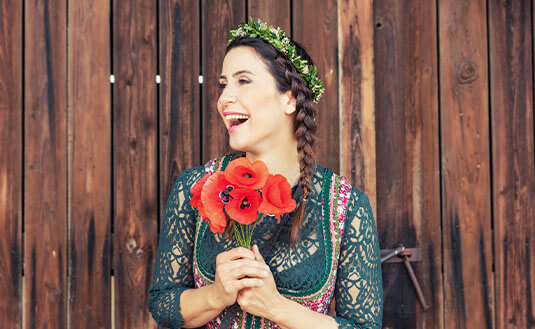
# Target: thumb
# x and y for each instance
(257, 253)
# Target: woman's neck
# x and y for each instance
(283, 160)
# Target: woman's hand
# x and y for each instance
(263, 300)
(236, 269)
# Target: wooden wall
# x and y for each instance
(428, 109)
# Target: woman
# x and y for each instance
(326, 249)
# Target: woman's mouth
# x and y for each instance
(235, 120)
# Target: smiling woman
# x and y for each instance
(324, 251)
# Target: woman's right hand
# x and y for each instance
(236, 269)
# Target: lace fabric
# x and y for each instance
(358, 290)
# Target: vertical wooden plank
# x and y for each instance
(45, 169)
(316, 28)
(89, 100)
(408, 186)
(513, 167)
(218, 17)
(466, 196)
(357, 96)
(179, 91)
(10, 164)
(134, 159)
(275, 12)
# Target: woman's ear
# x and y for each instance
(289, 102)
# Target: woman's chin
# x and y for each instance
(237, 145)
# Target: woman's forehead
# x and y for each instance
(242, 59)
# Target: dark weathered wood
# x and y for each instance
(357, 103)
(215, 34)
(11, 164)
(408, 186)
(466, 188)
(274, 12)
(134, 159)
(179, 91)
(45, 194)
(89, 128)
(316, 28)
(513, 169)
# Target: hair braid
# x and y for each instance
(288, 78)
(305, 131)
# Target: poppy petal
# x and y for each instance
(242, 173)
(277, 196)
(211, 199)
(243, 207)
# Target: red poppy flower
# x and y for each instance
(216, 228)
(195, 200)
(214, 196)
(277, 197)
(242, 173)
(244, 205)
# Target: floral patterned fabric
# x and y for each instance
(337, 255)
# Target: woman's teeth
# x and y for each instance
(236, 119)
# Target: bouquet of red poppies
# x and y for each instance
(239, 195)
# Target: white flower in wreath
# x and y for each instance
(305, 69)
(240, 32)
(286, 41)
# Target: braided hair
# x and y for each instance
(288, 78)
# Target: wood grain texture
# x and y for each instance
(275, 12)
(513, 169)
(215, 34)
(180, 109)
(45, 170)
(11, 149)
(357, 96)
(135, 168)
(466, 188)
(316, 28)
(408, 186)
(89, 161)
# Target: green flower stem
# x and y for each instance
(244, 233)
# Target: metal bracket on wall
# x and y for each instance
(406, 255)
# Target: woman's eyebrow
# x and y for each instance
(237, 73)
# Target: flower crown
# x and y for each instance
(277, 38)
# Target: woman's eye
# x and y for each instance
(243, 81)
(222, 85)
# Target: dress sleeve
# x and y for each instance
(359, 286)
(173, 271)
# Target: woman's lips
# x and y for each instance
(235, 126)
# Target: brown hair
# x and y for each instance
(288, 78)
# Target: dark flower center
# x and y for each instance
(245, 204)
(225, 194)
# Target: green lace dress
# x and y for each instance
(337, 255)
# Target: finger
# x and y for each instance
(231, 265)
(257, 254)
(250, 271)
(247, 283)
(235, 253)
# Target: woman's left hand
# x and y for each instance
(263, 300)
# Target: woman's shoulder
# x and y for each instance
(341, 182)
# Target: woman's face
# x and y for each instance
(256, 114)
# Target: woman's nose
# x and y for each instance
(227, 96)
